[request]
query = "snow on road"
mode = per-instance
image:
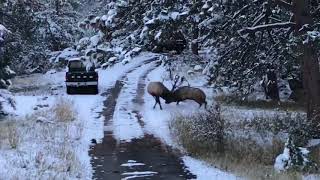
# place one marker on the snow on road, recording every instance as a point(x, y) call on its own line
point(108, 77)
point(125, 125)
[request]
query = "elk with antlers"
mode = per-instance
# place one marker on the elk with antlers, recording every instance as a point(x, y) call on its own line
point(157, 90)
point(188, 93)
point(183, 93)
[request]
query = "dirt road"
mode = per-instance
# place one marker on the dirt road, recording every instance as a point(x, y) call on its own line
point(143, 158)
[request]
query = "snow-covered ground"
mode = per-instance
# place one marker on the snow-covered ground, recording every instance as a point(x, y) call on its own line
point(44, 144)
point(204, 171)
point(157, 123)
point(238, 114)
point(44, 157)
point(52, 148)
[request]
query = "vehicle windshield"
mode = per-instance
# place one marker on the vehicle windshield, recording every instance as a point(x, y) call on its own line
point(76, 66)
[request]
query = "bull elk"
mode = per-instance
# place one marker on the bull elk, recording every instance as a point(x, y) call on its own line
point(188, 93)
point(157, 90)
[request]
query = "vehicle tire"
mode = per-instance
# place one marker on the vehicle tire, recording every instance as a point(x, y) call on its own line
point(95, 89)
point(69, 90)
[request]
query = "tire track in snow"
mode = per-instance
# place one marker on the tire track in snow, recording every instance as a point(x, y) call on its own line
point(109, 144)
point(146, 156)
point(112, 94)
point(125, 125)
point(174, 163)
point(138, 100)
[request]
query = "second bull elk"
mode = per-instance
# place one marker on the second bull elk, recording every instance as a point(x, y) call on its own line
point(157, 90)
point(188, 93)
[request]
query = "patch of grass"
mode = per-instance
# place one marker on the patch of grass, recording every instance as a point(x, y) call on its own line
point(49, 146)
point(234, 100)
point(247, 148)
point(13, 135)
point(9, 134)
point(315, 154)
point(64, 110)
point(199, 131)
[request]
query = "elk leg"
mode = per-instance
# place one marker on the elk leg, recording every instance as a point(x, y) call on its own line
point(155, 99)
point(158, 101)
point(178, 102)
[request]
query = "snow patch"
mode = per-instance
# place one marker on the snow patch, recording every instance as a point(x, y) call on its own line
point(204, 171)
point(126, 126)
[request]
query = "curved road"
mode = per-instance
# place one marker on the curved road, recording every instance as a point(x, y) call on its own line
point(144, 158)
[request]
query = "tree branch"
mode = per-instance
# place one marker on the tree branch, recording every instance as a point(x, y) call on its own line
point(316, 12)
point(250, 30)
point(235, 15)
point(258, 19)
point(284, 4)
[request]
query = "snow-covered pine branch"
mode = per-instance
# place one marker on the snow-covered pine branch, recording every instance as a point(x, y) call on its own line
point(238, 13)
point(3, 32)
point(316, 12)
point(284, 4)
point(250, 30)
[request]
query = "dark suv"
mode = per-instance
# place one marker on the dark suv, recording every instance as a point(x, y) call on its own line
point(78, 76)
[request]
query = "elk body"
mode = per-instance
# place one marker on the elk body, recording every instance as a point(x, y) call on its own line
point(157, 90)
point(188, 93)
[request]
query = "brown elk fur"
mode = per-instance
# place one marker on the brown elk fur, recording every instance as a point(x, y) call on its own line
point(190, 93)
point(157, 90)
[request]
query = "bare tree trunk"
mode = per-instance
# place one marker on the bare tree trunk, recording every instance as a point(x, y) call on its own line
point(195, 47)
point(57, 6)
point(195, 43)
point(311, 83)
point(311, 74)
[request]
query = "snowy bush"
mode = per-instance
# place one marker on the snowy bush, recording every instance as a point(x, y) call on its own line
point(256, 139)
point(294, 158)
point(3, 32)
point(64, 110)
point(200, 130)
point(294, 124)
point(13, 135)
point(7, 103)
point(5, 75)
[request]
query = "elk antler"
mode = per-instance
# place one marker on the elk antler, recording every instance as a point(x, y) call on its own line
point(175, 81)
point(179, 79)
